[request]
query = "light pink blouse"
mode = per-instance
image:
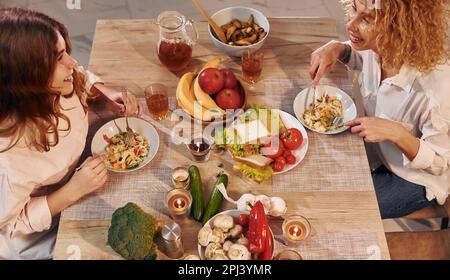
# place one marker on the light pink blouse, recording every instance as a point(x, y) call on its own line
point(26, 177)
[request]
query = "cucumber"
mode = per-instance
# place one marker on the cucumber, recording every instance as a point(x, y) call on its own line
point(198, 205)
point(215, 200)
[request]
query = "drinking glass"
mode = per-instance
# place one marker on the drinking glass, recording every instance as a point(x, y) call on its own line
point(157, 101)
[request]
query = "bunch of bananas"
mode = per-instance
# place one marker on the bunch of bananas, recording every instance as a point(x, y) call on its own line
point(193, 100)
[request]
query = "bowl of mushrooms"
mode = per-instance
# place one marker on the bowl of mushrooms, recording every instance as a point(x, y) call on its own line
point(245, 29)
point(222, 237)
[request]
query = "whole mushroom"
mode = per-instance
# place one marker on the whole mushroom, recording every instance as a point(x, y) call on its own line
point(242, 241)
point(226, 246)
point(224, 222)
point(211, 250)
point(236, 231)
point(206, 236)
point(220, 235)
point(239, 252)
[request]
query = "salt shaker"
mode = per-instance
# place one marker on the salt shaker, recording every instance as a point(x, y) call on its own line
point(171, 235)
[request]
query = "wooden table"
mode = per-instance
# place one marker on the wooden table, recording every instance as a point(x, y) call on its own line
point(124, 53)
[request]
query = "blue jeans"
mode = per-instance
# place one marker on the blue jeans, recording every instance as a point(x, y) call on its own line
point(396, 196)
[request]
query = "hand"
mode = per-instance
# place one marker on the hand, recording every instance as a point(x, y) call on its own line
point(323, 60)
point(90, 177)
point(129, 108)
point(375, 130)
point(115, 99)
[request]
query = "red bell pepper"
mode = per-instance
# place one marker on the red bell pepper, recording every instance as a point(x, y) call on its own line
point(257, 229)
point(268, 248)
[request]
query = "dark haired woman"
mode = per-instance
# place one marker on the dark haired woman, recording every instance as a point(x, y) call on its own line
point(43, 129)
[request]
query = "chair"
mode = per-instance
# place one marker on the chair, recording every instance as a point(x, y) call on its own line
point(424, 245)
point(435, 211)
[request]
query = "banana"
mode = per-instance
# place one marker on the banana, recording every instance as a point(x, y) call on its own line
point(186, 100)
point(202, 97)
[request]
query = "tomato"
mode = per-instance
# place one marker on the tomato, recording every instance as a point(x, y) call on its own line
point(292, 138)
point(287, 153)
point(243, 220)
point(290, 159)
point(273, 149)
point(279, 164)
point(107, 139)
point(281, 159)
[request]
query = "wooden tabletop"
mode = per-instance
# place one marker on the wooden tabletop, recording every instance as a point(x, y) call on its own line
point(124, 53)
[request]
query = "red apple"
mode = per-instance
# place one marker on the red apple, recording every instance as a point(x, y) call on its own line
point(230, 78)
point(211, 80)
point(228, 99)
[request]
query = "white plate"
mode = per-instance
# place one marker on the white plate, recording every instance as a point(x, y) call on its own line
point(233, 213)
point(140, 126)
point(291, 122)
point(303, 101)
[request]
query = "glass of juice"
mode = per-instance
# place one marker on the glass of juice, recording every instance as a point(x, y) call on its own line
point(252, 65)
point(157, 101)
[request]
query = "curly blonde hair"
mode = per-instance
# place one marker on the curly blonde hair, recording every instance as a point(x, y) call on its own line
point(412, 32)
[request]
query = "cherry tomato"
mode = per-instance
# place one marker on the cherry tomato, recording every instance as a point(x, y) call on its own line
point(279, 164)
point(273, 148)
point(107, 139)
point(281, 159)
point(292, 138)
point(243, 220)
point(287, 153)
point(290, 159)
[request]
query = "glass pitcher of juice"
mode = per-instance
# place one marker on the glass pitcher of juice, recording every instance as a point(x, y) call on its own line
point(175, 42)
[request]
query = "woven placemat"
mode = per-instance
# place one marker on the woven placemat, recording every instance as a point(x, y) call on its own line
point(333, 162)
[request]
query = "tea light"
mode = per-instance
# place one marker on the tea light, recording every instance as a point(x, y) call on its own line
point(178, 201)
point(296, 228)
point(180, 178)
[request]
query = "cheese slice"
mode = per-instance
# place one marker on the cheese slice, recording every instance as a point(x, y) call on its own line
point(250, 132)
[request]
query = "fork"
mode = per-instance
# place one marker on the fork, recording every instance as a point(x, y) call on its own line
point(130, 132)
point(337, 121)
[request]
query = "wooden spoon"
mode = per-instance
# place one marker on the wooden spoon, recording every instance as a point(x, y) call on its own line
point(219, 32)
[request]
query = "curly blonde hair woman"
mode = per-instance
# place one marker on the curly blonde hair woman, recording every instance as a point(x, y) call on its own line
point(400, 47)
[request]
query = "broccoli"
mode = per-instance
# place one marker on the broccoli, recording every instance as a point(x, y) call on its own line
point(132, 232)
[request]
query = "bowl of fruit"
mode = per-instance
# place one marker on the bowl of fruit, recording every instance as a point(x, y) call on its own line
point(216, 94)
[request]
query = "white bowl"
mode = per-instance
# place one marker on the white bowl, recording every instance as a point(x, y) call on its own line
point(233, 213)
point(140, 126)
point(226, 15)
point(303, 100)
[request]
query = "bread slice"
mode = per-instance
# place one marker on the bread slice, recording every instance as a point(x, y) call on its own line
point(256, 161)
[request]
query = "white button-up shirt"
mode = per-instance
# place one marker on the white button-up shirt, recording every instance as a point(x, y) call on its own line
point(421, 102)
point(26, 226)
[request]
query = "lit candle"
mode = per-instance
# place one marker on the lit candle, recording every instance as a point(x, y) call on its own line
point(296, 228)
point(178, 201)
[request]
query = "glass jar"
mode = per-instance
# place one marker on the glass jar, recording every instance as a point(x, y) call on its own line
point(175, 43)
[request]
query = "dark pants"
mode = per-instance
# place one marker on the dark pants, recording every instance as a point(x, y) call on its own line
point(396, 196)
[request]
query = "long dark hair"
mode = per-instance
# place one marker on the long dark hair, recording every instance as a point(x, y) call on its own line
point(29, 108)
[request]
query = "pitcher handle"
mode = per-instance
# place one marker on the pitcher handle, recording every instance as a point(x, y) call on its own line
point(191, 23)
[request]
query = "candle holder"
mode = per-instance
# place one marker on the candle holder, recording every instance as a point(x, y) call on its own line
point(179, 201)
point(180, 178)
point(295, 229)
point(200, 149)
point(288, 255)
